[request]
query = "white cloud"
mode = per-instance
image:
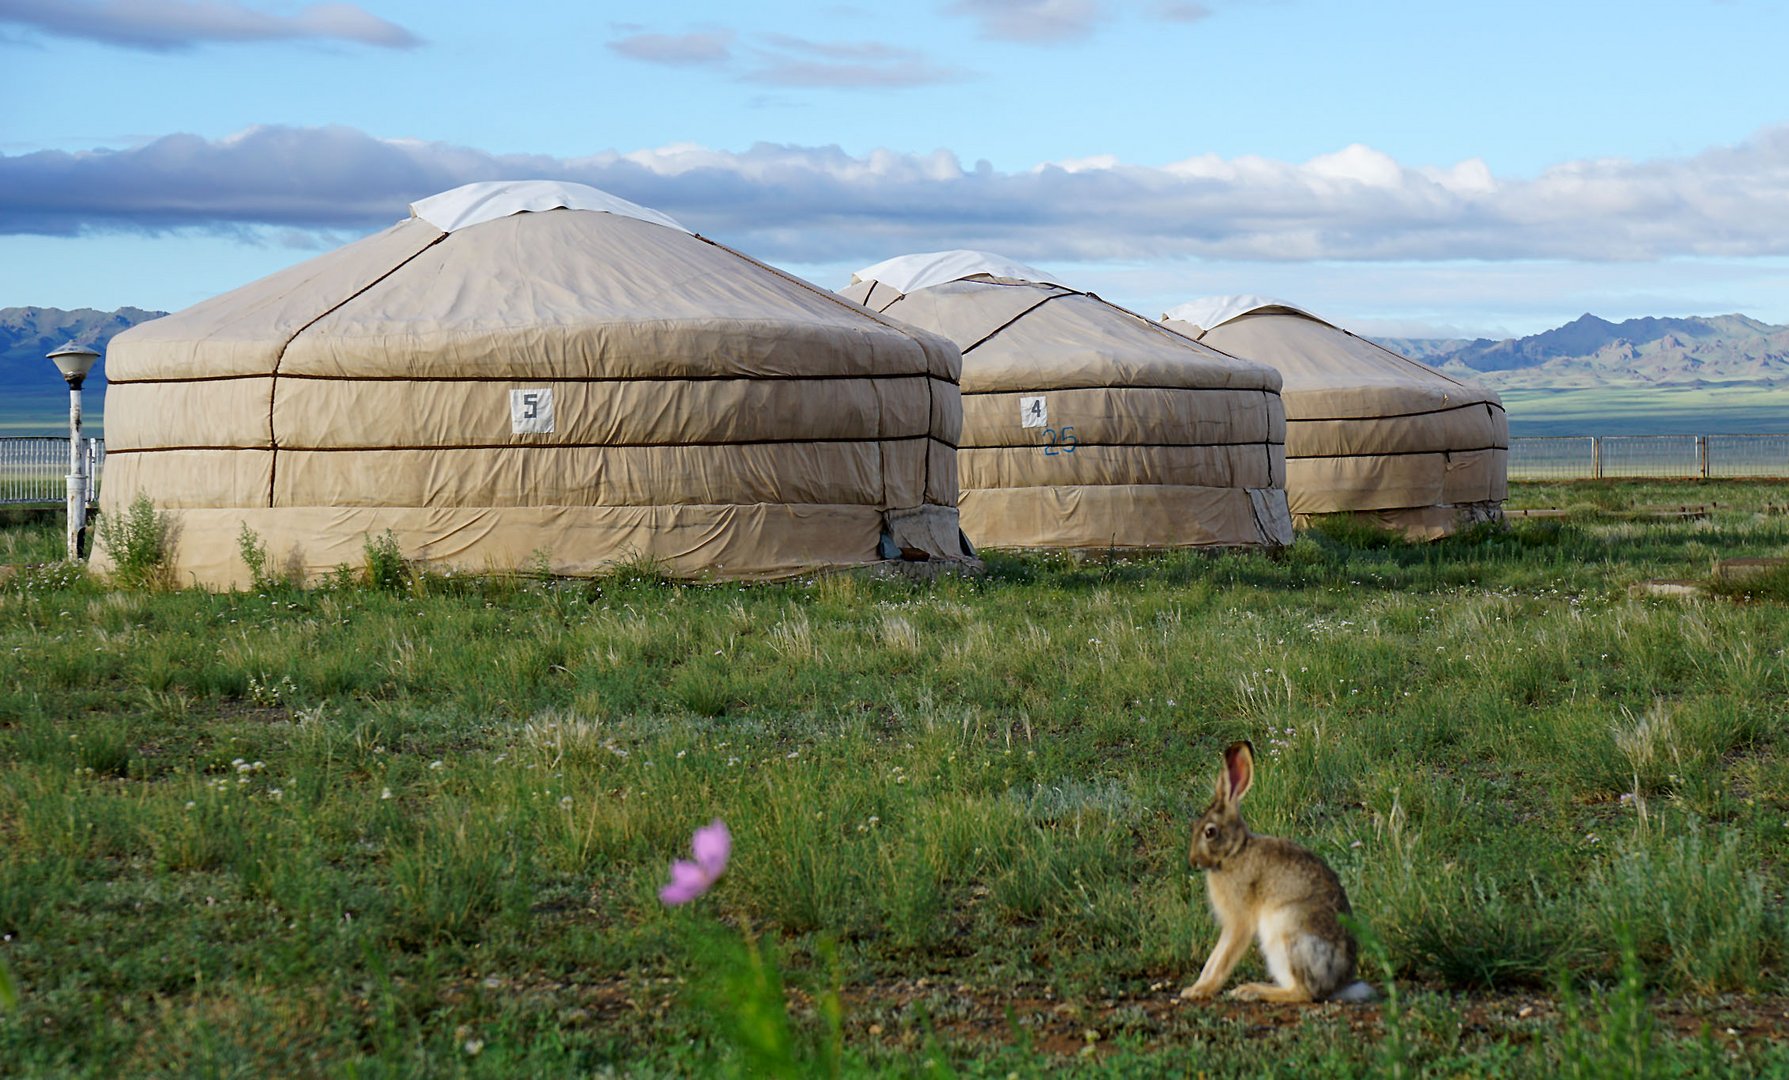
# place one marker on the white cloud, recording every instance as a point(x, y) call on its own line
point(678, 50)
point(1034, 22)
point(786, 60)
point(1182, 12)
point(816, 204)
point(164, 25)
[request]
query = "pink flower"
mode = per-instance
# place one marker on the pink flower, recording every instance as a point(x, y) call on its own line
point(711, 846)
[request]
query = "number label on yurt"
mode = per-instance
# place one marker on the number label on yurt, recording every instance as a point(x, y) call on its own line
point(531, 412)
point(1033, 412)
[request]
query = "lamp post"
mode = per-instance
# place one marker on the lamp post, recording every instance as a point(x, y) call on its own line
point(74, 361)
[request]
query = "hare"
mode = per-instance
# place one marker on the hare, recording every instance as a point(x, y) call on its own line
point(1276, 892)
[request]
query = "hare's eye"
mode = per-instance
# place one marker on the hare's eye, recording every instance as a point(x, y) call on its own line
point(1210, 831)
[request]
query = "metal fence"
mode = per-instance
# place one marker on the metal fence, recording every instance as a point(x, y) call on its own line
point(1661, 457)
point(34, 469)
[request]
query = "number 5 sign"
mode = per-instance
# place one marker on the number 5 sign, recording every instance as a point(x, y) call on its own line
point(531, 412)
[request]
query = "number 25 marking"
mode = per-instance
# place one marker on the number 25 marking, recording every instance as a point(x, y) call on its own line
point(1063, 437)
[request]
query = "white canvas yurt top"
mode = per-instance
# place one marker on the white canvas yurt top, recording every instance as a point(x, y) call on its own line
point(529, 369)
point(1086, 425)
point(1368, 431)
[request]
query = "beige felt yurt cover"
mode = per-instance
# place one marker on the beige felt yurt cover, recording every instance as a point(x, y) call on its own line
point(530, 370)
point(1368, 431)
point(1086, 425)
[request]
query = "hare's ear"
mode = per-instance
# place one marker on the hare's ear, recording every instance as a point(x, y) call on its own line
point(1239, 771)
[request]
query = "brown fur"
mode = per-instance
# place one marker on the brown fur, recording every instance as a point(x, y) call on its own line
point(1271, 890)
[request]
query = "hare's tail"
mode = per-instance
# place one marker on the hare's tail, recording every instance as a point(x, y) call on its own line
point(1356, 993)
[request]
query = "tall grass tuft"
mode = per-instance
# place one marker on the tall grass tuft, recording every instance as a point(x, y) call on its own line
point(384, 567)
point(1692, 908)
point(464, 868)
point(142, 544)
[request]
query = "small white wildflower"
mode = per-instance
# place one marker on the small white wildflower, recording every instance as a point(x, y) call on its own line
point(385, 793)
point(1355, 844)
point(190, 804)
point(473, 1047)
point(437, 765)
point(275, 794)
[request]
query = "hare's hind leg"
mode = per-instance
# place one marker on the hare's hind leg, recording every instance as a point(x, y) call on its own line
point(1271, 992)
point(1279, 949)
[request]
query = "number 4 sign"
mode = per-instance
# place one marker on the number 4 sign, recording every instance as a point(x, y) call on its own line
point(531, 412)
point(1033, 412)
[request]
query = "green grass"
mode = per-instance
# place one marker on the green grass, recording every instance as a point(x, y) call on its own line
point(1737, 409)
point(302, 832)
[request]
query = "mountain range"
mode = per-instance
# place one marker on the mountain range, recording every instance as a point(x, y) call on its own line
point(1592, 352)
point(29, 384)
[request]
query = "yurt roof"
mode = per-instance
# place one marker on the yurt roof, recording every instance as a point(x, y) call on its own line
point(1325, 366)
point(908, 273)
point(583, 281)
point(1207, 312)
point(475, 204)
point(1018, 329)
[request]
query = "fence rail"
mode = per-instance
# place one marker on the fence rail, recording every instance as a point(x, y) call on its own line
point(1657, 457)
point(34, 469)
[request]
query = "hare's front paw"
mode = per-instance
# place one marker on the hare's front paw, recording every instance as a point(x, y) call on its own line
point(1198, 992)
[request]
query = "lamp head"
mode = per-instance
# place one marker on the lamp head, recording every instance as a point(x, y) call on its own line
point(74, 361)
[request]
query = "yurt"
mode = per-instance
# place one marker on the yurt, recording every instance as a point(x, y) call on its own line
point(528, 371)
point(1368, 432)
point(1086, 425)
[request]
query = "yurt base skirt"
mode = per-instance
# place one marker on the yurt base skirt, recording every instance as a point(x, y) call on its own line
point(691, 542)
point(1417, 523)
point(1120, 516)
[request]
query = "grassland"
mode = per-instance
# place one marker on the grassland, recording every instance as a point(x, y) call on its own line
point(419, 830)
point(1636, 410)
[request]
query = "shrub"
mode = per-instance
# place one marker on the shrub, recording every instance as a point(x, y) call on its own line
point(262, 575)
point(386, 569)
point(141, 544)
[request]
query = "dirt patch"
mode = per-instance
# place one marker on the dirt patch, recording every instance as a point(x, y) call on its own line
point(908, 1012)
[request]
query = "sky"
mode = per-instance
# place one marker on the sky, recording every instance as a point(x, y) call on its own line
point(1457, 168)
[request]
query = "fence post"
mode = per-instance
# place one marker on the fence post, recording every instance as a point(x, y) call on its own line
point(1596, 457)
point(1702, 456)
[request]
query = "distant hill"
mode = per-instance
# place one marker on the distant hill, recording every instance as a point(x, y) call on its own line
point(1593, 352)
point(30, 391)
